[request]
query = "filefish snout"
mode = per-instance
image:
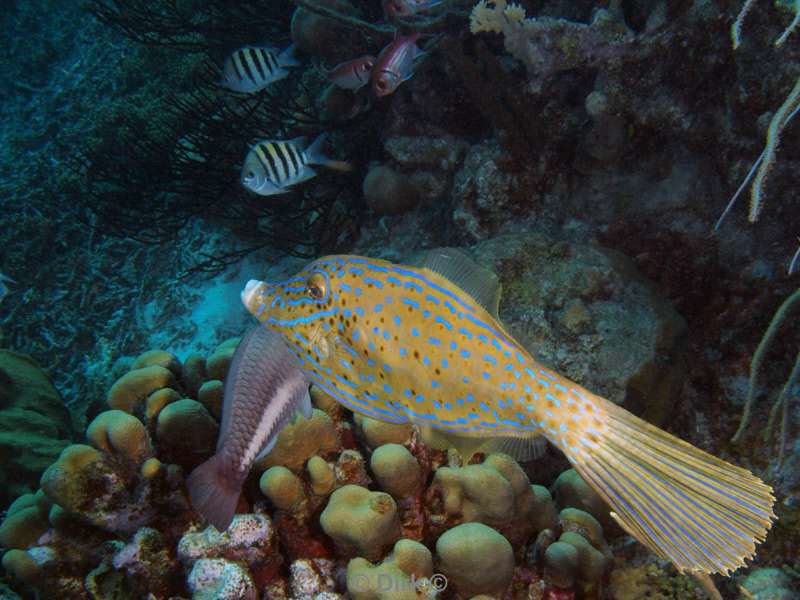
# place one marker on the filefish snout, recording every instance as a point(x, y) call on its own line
point(298, 308)
point(253, 293)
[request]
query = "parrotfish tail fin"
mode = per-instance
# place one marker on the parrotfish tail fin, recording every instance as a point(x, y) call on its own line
point(316, 156)
point(212, 492)
point(288, 59)
point(702, 513)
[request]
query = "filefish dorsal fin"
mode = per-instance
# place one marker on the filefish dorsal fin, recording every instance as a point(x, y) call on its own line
point(459, 268)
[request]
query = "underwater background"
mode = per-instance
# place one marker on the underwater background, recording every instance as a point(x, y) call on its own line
point(584, 151)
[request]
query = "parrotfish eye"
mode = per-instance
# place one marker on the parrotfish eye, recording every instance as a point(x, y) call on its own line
point(316, 286)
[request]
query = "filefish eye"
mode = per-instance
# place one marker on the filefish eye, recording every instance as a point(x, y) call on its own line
point(316, 286)
point(367, 66)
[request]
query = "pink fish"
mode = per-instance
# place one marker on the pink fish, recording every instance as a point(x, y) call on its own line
point(353, 74)
point(407, 8)
point(395, 64)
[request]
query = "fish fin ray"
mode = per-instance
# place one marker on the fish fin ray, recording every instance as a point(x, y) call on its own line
point(287, 58)
point(317, 156)
point(266, 449)
point(689, 507)
point(455, 265)
point(213, 494)
point(305, 405)
point(519, 448)
point(466, 445)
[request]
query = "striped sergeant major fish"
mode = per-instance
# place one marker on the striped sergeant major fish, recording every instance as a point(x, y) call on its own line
point(264, 389)
point(424, 345)
point(272, 166)
point(252, 68)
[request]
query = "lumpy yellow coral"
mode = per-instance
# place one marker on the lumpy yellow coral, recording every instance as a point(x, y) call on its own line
point(493, 15)
point(514, 12)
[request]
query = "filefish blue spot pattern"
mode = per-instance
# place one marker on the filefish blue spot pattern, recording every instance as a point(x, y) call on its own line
point(423, 344)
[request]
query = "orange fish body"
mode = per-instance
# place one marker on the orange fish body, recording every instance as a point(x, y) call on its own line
point(424, 345)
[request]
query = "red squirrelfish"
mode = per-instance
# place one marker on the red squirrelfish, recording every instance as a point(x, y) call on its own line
point(353, 74)
point(395, 64)
point(424, 345)
point(407, 8)
point(264, 389)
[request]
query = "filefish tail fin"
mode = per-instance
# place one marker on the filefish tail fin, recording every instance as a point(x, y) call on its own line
point(317, 156)
point(212, 492)
point(702, 513)
point(288, 59)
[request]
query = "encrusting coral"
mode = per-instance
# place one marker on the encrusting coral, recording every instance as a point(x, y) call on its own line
point(360, 522)
point(402, 575)
point(476, 559)
point(340, 505)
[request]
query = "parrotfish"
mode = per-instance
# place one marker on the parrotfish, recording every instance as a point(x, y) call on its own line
point(264, 389)
point(424, 345)
point(407, 8)
point(253, 68)
point(395, 64)
point(272, 166)
point(353, 74)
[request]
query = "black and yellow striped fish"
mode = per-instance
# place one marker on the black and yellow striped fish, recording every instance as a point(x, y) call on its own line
point(253, 68)
point(272, 166)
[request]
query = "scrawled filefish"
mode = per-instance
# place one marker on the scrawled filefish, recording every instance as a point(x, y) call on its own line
point(272, 166)
point(264, 388)
point(253, 68)
point(425, 345)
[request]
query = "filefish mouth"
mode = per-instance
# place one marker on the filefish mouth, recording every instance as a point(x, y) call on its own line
point(252, 294)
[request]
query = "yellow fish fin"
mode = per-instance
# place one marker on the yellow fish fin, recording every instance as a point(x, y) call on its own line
point(518, 448)
point(467, 446)
point(455, 265)
point(521, 449)
point(698, 511)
